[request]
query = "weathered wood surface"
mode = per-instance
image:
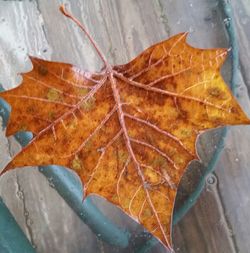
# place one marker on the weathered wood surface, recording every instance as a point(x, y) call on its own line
point(219, 222)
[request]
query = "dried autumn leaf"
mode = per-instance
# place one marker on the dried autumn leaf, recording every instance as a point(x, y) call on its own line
point(129, 131)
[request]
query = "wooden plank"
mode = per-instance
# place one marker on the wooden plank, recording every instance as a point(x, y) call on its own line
point(122, 29)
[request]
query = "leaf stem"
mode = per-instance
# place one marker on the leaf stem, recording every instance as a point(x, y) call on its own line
point(80, 25)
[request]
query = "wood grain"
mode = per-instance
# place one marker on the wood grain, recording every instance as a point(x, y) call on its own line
point(219, 222)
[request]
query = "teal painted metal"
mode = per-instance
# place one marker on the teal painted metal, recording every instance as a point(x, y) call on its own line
point(232, 37)
point(4, 109)
point(149, 245)
point(12, 238)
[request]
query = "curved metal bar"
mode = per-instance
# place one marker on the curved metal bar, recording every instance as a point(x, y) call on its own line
point(12, 238)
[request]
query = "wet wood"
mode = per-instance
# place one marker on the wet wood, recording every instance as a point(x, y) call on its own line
point(219, 222)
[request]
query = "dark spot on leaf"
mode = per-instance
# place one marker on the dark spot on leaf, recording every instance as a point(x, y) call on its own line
point(216, 92)
point(42, 70)
point(234, 110)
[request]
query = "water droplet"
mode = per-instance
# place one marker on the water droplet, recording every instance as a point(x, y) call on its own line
point(20, 194)
point(244, 20)
point(211, 179)
point(29, 222)
point(191, 29)
point(51, 184)
point(227, 22)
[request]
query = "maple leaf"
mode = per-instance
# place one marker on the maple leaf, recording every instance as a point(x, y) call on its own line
point(128, 131)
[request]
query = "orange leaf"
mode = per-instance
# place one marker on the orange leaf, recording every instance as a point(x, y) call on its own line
point(129, 131)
